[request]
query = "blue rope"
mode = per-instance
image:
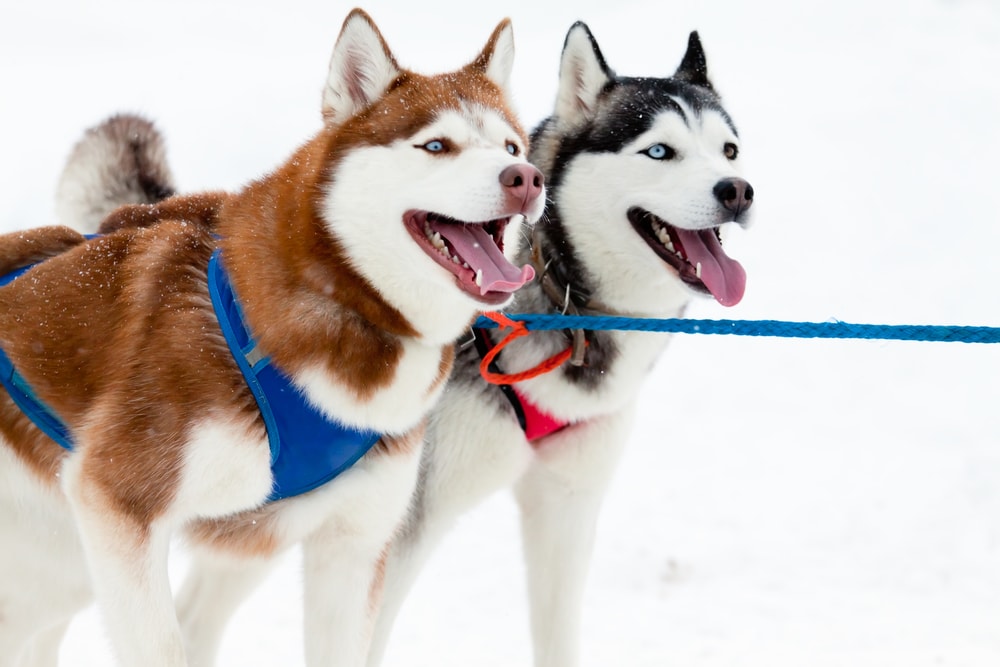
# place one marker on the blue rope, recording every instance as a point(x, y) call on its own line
point(774, 328)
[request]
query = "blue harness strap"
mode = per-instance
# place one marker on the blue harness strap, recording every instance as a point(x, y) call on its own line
point(20, 391)
point(307, 449)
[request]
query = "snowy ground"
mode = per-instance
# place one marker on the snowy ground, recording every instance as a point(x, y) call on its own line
point(782, 502)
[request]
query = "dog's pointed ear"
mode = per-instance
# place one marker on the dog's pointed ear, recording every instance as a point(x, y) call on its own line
point(361, 69)
point(693, 68)
point(583, 74)
point(496, 60)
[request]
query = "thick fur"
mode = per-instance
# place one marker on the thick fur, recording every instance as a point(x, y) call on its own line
point(117, 335)
point(121, 161)
point(595, 153)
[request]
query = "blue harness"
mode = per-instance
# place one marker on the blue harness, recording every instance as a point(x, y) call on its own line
point(307, 449)
point(22, 395)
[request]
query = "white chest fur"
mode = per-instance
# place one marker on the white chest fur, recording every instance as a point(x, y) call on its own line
point(393, 408)
point(637, 353)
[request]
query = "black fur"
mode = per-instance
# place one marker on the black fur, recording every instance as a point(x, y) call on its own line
point(625, 109)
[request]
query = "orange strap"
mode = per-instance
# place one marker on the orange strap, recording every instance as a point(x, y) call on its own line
point(518, 330)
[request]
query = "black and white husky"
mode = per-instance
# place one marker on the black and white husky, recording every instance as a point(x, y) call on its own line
point(643, 175)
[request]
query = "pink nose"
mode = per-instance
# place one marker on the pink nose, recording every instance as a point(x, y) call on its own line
point(522, 185)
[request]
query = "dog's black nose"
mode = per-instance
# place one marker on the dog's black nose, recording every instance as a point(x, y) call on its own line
point(735, 194)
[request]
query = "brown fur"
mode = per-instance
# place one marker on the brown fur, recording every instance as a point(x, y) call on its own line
point(30, 445)
point(248, 534)
point(202, 208)
point(126, 379)
point(20, 249)
point(117, 334)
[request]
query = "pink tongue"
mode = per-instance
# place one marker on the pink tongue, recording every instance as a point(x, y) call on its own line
point(476, 246)
point(724, 277)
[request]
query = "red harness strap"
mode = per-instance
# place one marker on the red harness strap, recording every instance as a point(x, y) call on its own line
point(518, 330)
point(535, 423)
point(538, 424)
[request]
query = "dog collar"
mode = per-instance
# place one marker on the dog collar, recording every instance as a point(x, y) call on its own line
point(307, 448)
point(565, 297)
point(535, 422)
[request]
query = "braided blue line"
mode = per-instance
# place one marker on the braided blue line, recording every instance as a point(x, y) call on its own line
point(774, 328)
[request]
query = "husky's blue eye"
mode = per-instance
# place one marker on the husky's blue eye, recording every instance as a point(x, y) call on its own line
point(512, 148)
point(434, 146)
point(660, 152)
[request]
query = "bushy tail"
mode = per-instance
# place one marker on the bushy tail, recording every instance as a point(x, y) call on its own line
point(120, 161)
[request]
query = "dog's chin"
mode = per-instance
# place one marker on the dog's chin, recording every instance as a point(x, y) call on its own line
point(676, 248)
point(472, 252)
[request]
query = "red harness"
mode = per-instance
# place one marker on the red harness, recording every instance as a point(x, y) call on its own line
point(535, 423)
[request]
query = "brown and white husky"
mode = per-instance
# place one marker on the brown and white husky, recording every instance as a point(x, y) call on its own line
point(356, 264)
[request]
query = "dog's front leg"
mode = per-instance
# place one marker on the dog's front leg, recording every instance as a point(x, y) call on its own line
point(559, 498)
point(340, 599)
point(43, 649)
point(211, 593)
point(127, 559)
point(344, 560)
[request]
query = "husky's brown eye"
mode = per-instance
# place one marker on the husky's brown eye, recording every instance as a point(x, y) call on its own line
point(731, 151)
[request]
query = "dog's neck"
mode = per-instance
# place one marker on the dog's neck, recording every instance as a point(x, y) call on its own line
point(302, 298)
point(562, 286)
point(288, 252)
point(554, 279)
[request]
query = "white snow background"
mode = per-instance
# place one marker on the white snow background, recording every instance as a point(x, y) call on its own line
point(782, 502)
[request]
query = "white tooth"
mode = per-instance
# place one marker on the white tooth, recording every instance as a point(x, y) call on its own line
point(455, 259)
point(466, 265)
point(670, 246)
point(479, 278)
point(697, 270)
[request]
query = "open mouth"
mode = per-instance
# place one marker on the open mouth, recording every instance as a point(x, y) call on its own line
point(472, 251)
point(696, 255)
